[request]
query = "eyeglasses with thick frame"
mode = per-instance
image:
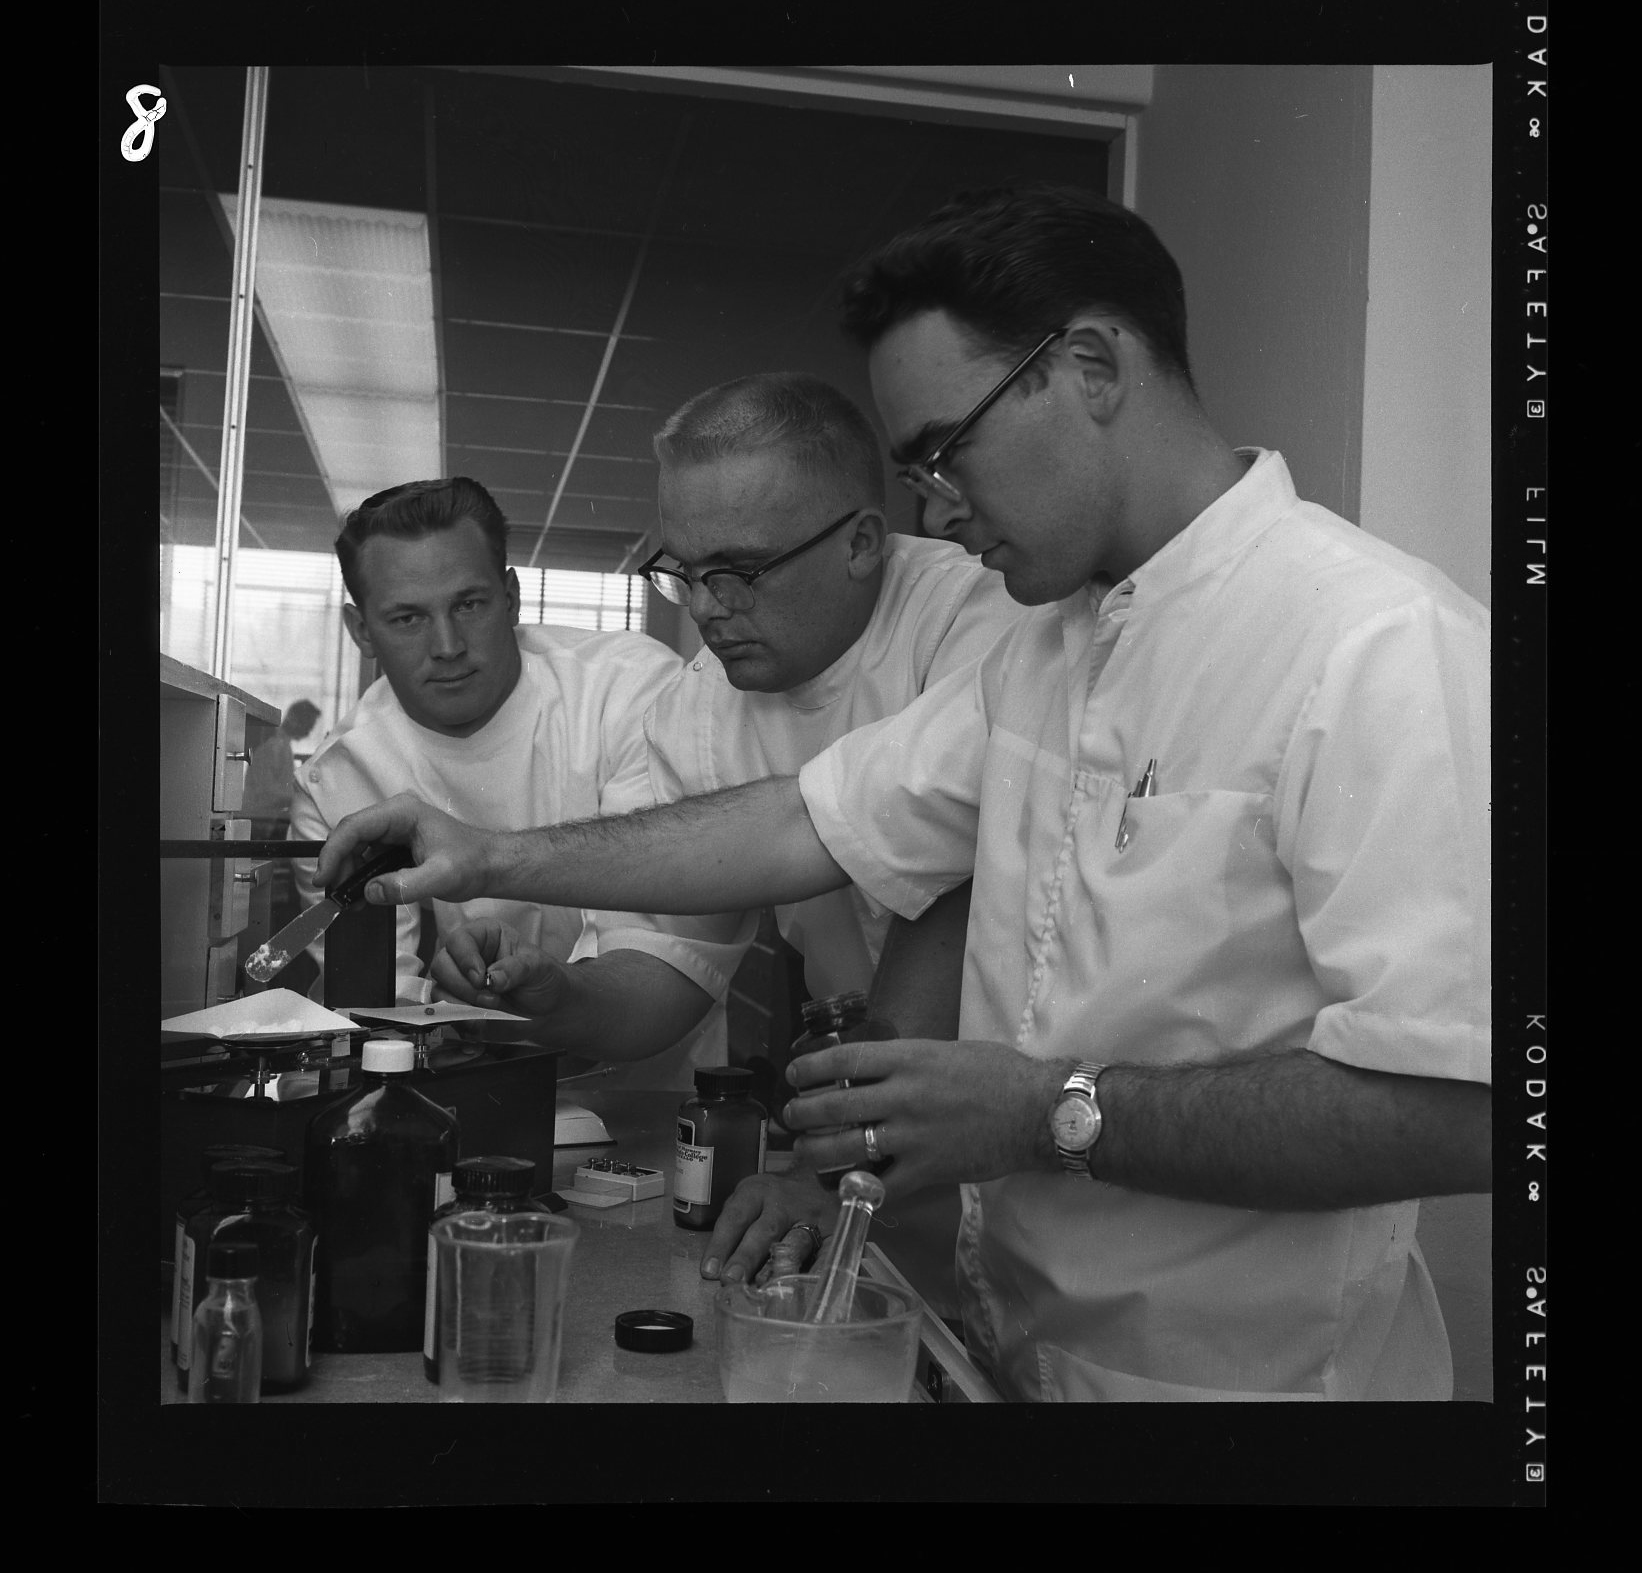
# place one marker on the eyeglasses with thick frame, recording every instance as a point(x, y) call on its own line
point(732, 588)
point(924, 477)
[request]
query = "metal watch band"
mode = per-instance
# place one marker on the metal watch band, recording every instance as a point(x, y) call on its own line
point(1082, 1080)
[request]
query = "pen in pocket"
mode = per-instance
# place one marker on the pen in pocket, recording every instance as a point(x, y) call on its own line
point(1144, 787)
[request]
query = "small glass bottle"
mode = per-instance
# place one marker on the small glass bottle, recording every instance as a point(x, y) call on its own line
point(492, 1185)
point(230, 1194)
point(840, 1018)
point(226, 1363)
point(257, 1202)
point(377, 1166)
point(183, 1294)
point(722, 1133)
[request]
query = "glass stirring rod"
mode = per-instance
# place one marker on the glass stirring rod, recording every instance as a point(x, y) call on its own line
point(861, 1194)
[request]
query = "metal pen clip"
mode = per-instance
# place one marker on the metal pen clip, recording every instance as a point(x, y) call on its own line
point(1144, 787)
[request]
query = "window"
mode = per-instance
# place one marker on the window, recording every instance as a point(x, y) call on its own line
point(581, 600)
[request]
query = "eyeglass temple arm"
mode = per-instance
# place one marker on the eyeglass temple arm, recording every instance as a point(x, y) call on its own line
point(987, 403)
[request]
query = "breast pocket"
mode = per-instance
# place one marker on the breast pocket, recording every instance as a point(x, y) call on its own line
point(1195, 919)
point(1198, 838)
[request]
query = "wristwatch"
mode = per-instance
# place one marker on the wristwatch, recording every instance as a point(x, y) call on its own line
point(1074, 1119)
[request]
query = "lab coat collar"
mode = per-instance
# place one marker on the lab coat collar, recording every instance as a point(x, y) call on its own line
point(1228, 526)
point(1225, 528)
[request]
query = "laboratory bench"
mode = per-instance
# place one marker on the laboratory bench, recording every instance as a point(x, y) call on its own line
point(630, 1256)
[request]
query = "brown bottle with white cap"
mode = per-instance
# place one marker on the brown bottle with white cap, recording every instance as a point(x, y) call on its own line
point(377, 1167)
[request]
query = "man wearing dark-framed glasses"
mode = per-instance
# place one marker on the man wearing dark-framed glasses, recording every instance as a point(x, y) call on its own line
point(732, 588)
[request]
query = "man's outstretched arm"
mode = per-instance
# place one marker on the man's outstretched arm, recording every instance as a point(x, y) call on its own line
point(750, 846)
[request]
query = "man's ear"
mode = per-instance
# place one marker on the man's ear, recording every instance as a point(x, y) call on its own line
point(512, 582)
point(354, 621)
point(866, 543)
point(1102, 354)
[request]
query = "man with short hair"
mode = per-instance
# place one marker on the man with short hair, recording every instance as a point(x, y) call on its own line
point(1223, 795)
point(502, 725)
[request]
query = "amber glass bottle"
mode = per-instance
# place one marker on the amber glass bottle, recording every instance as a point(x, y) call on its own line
point(377, 1166)
point(721, 1140)
point(840, 1018)
point(183, 1265)
point(260, 1203)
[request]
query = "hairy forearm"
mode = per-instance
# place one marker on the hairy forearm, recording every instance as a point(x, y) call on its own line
point(1291, 1131)
point(625, 1005)
point(920, 974)
point(749, 846)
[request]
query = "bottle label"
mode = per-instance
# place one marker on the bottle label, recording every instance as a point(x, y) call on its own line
point(430, 1303)
point(444, 1189)
point(185, 1304)
point(692, 1170)
point(225, 1355)
point(177, 1239)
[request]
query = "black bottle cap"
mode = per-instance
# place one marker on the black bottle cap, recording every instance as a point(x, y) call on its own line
point(233, 1259)
point(654, 1332)
point(493, 1176)
point(724, 1080)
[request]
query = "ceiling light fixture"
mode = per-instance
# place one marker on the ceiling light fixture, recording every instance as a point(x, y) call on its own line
point(347, 296)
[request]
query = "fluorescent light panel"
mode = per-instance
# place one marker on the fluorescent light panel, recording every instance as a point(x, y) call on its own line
point(347, 293)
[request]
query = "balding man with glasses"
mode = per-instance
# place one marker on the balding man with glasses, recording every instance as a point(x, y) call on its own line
point(815, 619)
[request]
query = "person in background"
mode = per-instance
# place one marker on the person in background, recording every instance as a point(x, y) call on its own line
point(1223, 795)
point(269, 778)
point(506, 726)
point(815, 620)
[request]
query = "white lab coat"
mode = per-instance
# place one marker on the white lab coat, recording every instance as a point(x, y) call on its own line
point(1312, 871)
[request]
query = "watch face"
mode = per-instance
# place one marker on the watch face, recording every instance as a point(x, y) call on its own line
point(1073, 1123)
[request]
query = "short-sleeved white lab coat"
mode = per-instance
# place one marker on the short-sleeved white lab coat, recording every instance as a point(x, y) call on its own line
point(572, 725)
point(1311, 871)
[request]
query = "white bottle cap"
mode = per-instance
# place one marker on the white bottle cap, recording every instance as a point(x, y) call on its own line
point(388, 1054)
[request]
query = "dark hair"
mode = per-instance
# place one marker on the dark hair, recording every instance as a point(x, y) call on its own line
point(821, 429)
point(1014, 263)
point(418, 508)
point(299, 718)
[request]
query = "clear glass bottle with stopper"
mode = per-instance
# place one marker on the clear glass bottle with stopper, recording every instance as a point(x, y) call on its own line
point(227, 1339)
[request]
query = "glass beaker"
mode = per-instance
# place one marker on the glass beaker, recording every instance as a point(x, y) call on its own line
point(503, 1279)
